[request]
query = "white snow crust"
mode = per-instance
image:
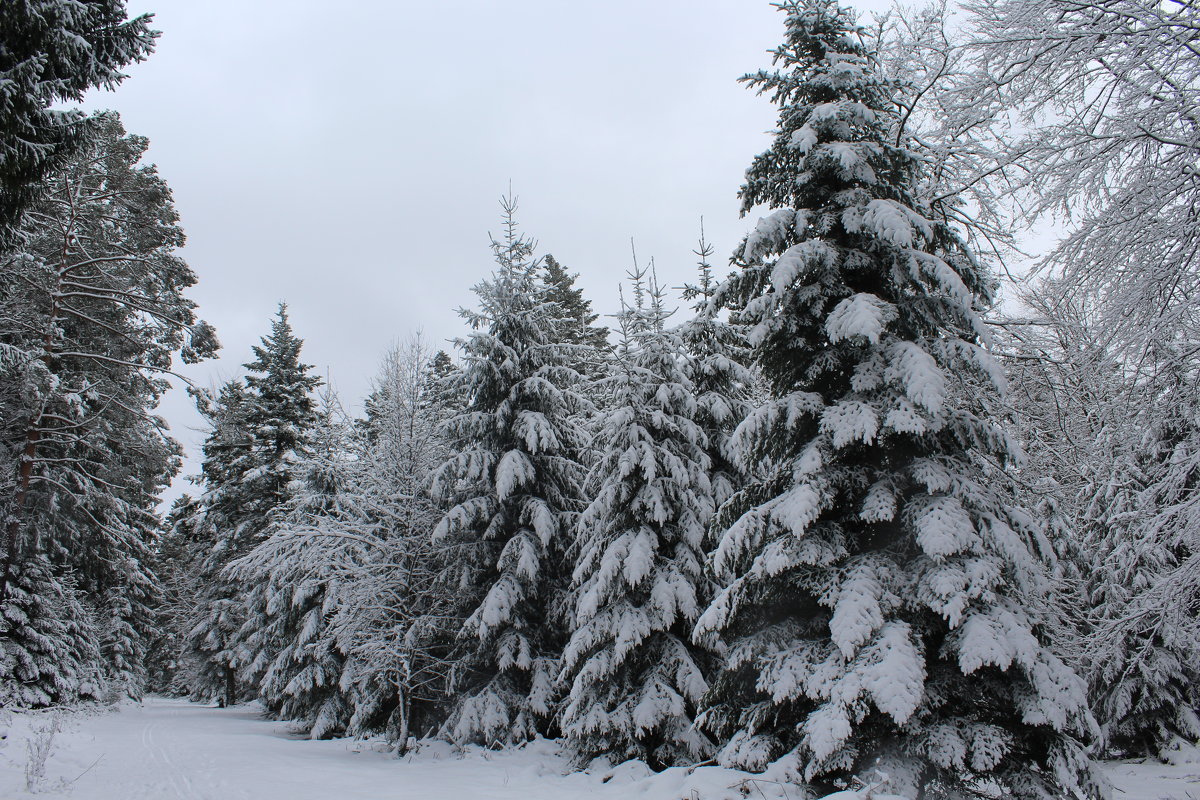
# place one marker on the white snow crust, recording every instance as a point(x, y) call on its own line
point(164, 749)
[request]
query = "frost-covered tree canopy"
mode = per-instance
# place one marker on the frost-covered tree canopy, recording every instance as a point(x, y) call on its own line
point(92, 315)
point(54, 51)
point(723, 383)
point(261, 435)
point(882, 590)
point(512, 487)
point(636, 679)
point(1114, 454)
point(1110, 137)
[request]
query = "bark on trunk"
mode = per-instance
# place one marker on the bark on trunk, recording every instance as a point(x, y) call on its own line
point(402, 733)
point(12, 532)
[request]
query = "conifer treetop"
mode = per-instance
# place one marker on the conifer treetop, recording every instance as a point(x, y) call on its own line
point(636, 680)
point(281, 387)
point(512, 489)
point(883, 589)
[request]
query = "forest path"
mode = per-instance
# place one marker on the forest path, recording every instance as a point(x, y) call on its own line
point(169, 749)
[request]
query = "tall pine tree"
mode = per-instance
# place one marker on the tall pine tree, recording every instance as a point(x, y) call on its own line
point(717, 367)
point(176, 558)
point(881, 586)
point(579, 321)
point(289, 593)
point(636, 677)
point(92, 316)
point(513, 492)
point(212, 617)
point(261, 435)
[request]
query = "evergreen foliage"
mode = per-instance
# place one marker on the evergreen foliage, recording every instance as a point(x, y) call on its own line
point(579, 326)
point(92, 314)
point(176, 564)
point(512, 489)
point(880, 582)
point(722, 382)
point(51, 654)
point(441, 380)
point(211, 618)
point(280, 417)
point(284, 651)
point(52, 51)
point(347, 627)
point(262, 433)
point(636, 678)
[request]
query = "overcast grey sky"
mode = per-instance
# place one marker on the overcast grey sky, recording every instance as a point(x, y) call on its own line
point(347, 158)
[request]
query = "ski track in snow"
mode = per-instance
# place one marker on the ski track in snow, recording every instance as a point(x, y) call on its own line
point(172, 749)
point(168, 749)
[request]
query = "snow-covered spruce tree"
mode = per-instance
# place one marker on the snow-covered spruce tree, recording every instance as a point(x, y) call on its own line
point(280, 417)
point(721, 381)
point(271, 423)
point(636, 679)
point(579, 321)
point(92, 314)
point(512, 487)
point(344, 615)
point(282, 646)
point(441, 381)
point(213, 616)
point(55, 51)
point(441, 369)
point(578, 327)
point(879, 580)
point(51, 643)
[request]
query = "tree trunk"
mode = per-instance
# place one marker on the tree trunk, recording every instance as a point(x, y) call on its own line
point(33, 435)
point(12, 531)
point(404, 724)
point(230, 687)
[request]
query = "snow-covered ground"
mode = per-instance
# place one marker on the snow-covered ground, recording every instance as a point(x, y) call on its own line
point(165, 749)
